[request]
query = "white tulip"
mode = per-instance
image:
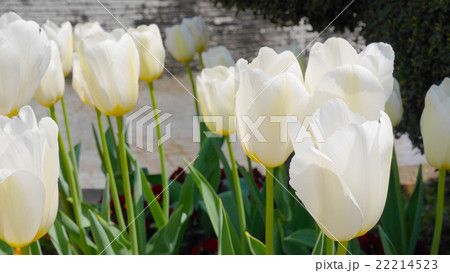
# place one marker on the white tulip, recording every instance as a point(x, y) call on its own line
point(64, 38)
point(394, 105)
point(268, 90)
point(343, 180)
point(151, 51)
point(29, 170)
point(297, 51)
point(110, 69)
point(435, 125)
point(79, 82)
point(199, 32)
point(217, 56)
point(85, 30)
point(180, 43)
point(24, 57)
point(51, 88)
point(364, 81)
point(216, 91)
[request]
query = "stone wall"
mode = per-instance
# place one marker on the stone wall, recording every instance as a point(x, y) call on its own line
point(241, 33)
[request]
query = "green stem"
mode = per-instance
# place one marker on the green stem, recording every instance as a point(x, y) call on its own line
point(127, 186)
point(73, 157)
point(439, 213)
point(109, 170)
point(194, 89)
point(200, 58)
point(240, 202)
point(330, 246)
point(76, 202)
point(342, 248)
point(398, 190)
point(269, 211)
point(162, 157)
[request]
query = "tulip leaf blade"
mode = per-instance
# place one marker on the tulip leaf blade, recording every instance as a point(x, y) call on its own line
point(119, 242)
point(73, 231)
point(5, 249)
point(100, 237)
point(320, 247)
point(225, 242)
point(105, 210)
point(155, 208)
point(414, 212)
point(254, 191)
point(256, 246)
point(214, 208)
point(388, 246)
point(392, 219)
point(165, 240)
point(306, 237)
point(35, 248)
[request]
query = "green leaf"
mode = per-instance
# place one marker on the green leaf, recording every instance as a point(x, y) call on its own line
point(214, 207)
point(255, 194)
point(306, 237)
point(207, 163)
point(225, 242)
point(320, 248)
point(281, 195)
point(5, 249)
point(35, 248)
point(100, 237)
point(414, 213)
point(138, 200)
point(119, 242)
point(388, 247)
point(74, 232)
point(164, 241)
point(155, 208)
point(105, 211)
point(255, 245)
point(59, 238)
point(392, 216)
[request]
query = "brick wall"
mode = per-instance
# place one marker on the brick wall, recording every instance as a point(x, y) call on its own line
point(241, 33)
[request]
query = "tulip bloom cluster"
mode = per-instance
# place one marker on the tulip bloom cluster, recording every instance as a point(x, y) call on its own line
point(340, 170)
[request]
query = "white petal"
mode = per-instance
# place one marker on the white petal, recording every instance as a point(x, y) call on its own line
point(379, 59)
point(357, 86)
point(22, 197)
point(316, 182)
point(9, 76)
point(324, 57)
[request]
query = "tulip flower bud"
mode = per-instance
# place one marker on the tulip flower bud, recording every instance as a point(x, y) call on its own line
point(199, 32)
point(180, 43)
point(151, 51)
point(64, 39)
point(24, 57)
point(268, 90)
point(51, 88)
point(394, 105)
point(215, 87)
point(110, 69)
point(217, 56)
point(435, 125)
point(364, 81)
point(341, 174)
point(29, 171)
